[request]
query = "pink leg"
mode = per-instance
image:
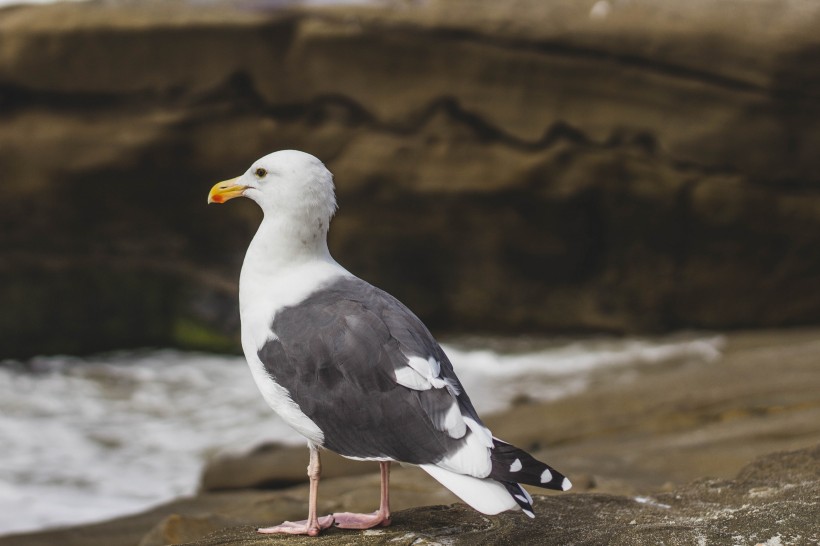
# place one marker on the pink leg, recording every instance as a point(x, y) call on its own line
point(381, 517)
point(313, 525)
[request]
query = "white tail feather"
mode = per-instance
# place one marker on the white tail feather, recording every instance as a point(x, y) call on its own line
point(484, 494)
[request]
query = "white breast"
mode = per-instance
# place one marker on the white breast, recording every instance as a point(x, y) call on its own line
point(262, 294)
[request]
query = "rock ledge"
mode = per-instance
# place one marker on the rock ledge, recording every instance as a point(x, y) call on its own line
point(774, 498)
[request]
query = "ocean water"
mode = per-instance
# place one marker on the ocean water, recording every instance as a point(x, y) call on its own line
point(93, 438)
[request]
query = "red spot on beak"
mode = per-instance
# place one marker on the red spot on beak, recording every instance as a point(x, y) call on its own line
point(217, 199)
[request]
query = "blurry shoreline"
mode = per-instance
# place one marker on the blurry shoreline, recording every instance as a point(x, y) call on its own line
point(633, 430)
point(136, 425)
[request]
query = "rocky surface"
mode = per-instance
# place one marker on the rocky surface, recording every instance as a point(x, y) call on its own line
point(654, 455)
point(517, 166)
point(773, 500)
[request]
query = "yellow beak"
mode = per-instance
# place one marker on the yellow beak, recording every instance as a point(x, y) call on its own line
point(225, 191)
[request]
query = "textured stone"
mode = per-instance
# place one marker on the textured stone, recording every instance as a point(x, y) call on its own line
point(176, 529)
point(775, 497)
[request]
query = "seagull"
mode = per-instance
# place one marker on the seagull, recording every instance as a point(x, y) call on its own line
point(350, 367)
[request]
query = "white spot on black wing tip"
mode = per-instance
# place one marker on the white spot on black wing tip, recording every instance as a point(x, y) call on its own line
point(566, 485)
point(516, 465)
point(522, 499)
point(528, 512)
point(546, 476)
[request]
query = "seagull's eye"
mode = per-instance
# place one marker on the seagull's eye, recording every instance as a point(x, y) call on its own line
point(260, 172)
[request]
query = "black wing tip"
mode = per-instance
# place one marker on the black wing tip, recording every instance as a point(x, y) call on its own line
point(514, 465)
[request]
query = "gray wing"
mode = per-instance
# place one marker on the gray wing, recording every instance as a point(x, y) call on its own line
point(367, 371)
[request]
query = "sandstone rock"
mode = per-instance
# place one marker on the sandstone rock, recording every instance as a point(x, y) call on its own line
point(504, 167)
point(771, 499)
point(176, 529)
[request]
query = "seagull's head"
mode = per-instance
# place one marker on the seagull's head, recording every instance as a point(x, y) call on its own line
point(287, 183)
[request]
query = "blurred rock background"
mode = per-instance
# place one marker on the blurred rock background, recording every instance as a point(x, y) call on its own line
point(617, 166)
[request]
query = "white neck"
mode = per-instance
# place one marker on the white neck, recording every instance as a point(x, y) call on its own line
point(285, 262)
point(280, 244)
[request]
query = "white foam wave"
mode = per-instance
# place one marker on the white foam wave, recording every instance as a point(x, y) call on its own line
point(85, 440)
point(493, 379)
